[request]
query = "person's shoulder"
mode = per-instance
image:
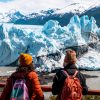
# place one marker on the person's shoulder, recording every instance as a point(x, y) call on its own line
point(81, 74)
point(32, 74)
point(13, 74)
point(60, 71)
point(60, 74)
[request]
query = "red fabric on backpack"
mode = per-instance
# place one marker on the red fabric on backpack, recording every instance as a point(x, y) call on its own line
point(72, 89)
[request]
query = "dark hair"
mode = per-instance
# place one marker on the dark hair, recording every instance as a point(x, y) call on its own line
point(27, 68)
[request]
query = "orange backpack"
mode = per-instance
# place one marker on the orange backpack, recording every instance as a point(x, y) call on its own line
point(72, 89)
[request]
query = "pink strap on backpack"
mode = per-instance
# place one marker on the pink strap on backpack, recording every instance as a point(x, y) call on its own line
point(70, 75)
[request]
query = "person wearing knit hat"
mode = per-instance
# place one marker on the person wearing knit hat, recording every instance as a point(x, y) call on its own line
point(25, 70)
point(70, 57)
point(25, 59)
point(69, 67)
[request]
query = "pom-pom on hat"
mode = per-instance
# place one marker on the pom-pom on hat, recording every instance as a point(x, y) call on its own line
point(70, 57)
point(25, 59)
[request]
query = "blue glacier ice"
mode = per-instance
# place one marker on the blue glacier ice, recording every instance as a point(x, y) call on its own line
point(42, 42)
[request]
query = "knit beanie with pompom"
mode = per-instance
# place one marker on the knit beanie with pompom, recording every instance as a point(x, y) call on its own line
point(25, 59)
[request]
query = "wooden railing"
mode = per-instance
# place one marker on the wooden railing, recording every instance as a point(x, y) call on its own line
point(46, 88)
point(90, 92)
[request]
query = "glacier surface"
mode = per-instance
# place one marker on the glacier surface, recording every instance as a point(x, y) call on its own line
point(47, 43)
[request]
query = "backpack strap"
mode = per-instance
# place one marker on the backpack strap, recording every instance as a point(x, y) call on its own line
point(75, 73)
point(65, 72)
point(14, 79)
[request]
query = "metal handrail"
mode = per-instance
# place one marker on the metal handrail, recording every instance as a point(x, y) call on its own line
point(47, 88)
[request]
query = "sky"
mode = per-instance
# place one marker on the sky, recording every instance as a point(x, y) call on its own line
point(29, 6)
point(6, 0)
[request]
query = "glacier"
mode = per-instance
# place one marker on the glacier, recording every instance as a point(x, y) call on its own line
point(47, 43)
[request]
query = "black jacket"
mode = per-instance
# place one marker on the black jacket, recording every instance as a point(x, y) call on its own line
point(60, 77)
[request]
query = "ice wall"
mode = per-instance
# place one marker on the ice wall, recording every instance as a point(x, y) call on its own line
point(41, 41)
